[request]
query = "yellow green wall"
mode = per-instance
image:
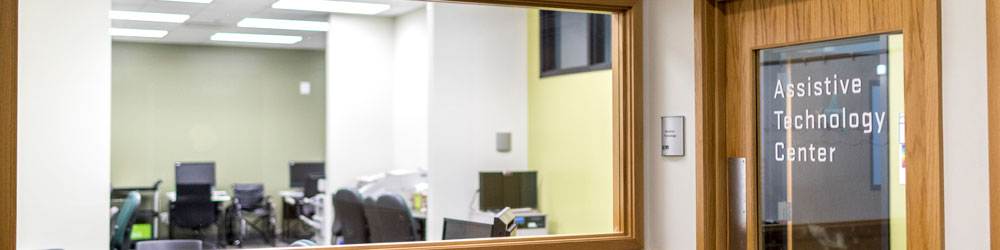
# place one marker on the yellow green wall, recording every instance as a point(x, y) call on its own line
point(897, 191)
point(569, 144)
point(239, 107)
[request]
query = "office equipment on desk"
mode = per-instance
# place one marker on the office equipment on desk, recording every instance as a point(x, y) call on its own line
point(299, 172)
point(530, 222)
point(143, 216)
point(195, 173)
point(169, 245)
point(498, 190)
point(193, 209)
point(390, 219)
point(122, 230)
point(349, 216)
point(461, 229)
point(253, 210)
point(503, 224)
point(404, 182)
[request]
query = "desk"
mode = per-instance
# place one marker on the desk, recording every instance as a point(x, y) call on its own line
point(421, 218)
point(217, 196)
point(291, 202)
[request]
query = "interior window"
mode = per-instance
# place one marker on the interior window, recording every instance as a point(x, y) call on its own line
point(575, 42)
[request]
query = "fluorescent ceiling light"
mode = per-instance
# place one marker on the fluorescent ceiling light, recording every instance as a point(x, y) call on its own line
point(148, 16)
point(138, 32)
point(282, 24)
point(190, 1)
point(255, 38)
point(332, 6)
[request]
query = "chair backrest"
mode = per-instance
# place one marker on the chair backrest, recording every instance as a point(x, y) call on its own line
point(350, 215)
point(249, 196)
point(371, 216)
point(193, 207)
point(121, 238)
point(168, 245)
point(395, 219)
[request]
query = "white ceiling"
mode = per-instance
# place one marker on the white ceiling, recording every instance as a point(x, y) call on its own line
point(222, 16)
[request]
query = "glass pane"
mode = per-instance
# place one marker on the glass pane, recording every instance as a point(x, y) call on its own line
point(573, 35)
point(831, 122)
point(435, 112)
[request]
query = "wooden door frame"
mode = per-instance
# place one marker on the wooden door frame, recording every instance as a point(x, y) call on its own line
point(628, 134)
point(993, 90)
point(920, 22)
point(8, 123)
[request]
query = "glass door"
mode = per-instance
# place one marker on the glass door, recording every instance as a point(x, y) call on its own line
point(831, 148)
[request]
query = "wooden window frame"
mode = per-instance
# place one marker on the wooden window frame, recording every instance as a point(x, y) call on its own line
point(8, 123)
point(993, 90)
point(723, 29)
point(626, 58)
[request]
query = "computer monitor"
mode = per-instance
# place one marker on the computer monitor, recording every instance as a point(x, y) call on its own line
point(312, 185)
point(503, 224)
point(299, 172)
point(460, 229)
point(195, 173)
point(498, 190)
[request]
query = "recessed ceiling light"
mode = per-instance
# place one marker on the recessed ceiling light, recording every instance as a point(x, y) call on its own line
point(148, 16)
point(332, 6)
point(138, 32)
point(190, 1)
point(255, 38)
point(283, 24)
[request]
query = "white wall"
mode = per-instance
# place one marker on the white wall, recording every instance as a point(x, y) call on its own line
point(966, 166)
point(668, 44)
point(64, 124)
point(478, 87)
point(358, 109)
point(410, 90)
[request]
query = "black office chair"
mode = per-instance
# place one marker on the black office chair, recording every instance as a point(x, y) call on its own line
point(349, 216)
point(371, 216)
point(394, 222)
point(250, 209)
point(193, 208)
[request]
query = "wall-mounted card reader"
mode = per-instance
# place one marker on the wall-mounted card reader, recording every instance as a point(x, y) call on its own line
point(672, 133)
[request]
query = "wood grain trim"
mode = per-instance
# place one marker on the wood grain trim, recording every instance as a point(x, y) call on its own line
point(924, 135)
point(8, 123)
point(993, 82)
point(711, 199)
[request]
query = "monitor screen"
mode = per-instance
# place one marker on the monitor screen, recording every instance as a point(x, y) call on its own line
point(491, 191)
point(460, 229)
point(195, 173)
point(299, 172)
point(512, 189)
